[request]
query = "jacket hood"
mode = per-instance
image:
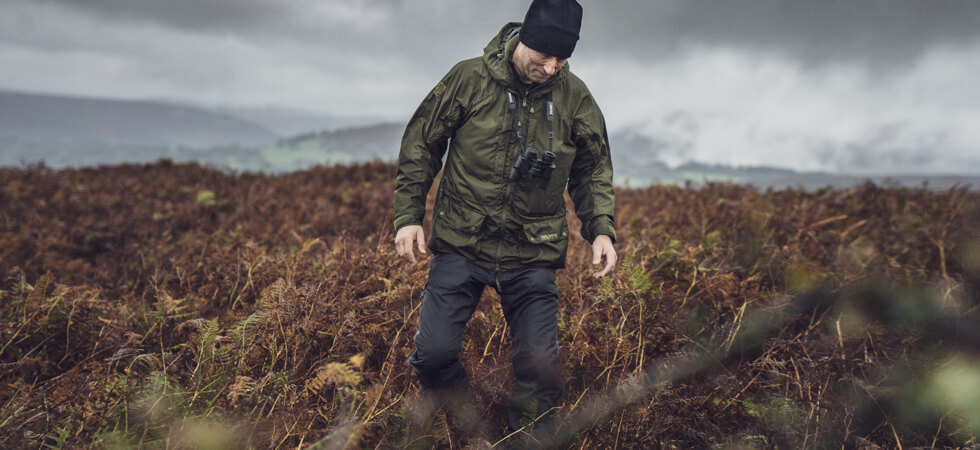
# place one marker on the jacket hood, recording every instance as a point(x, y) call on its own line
point(497, 53)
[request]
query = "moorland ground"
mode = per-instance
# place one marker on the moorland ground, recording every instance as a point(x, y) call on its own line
point(175, 305)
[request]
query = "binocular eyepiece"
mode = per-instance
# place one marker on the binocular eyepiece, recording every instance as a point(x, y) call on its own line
point(529, 164)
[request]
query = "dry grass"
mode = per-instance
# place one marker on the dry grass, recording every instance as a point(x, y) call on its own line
point(178, 306)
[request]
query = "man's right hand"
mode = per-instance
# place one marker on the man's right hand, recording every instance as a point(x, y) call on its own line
point(405, 242)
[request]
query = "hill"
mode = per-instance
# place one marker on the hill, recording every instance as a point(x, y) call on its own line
point(291, 122)
point(72, 132)
point(65, 120)
point(636, 162)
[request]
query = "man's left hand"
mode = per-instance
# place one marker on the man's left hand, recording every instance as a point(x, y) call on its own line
point(602, 245)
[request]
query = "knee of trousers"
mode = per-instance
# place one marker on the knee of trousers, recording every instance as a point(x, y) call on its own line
point(537, 364)
point(433, 356)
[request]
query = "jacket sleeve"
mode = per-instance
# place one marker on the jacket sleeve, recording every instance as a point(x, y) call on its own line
point(590, 181)
point(423, 146)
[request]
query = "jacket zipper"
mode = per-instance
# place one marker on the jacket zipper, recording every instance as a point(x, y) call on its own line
point(506, 202)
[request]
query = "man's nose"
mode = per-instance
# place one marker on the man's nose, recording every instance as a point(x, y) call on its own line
point(551, 66)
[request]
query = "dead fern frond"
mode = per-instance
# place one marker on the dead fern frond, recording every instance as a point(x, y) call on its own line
point(169, 306)
point(315, 384)
point(274, 294)
point(357, 361)
point(341, 374)
point(40, 289)
point(243, 386)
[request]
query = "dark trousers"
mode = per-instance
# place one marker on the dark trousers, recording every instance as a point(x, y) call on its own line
point(529, 299)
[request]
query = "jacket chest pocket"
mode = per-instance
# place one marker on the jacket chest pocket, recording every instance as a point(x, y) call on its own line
point(531, 200)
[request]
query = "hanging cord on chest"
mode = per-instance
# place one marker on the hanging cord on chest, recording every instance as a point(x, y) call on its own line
point(527, 162)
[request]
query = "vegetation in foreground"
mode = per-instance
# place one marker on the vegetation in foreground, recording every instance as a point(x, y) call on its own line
point(173, 305)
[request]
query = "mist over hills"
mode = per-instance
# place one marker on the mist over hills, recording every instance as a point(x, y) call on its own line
point(292, 122)
point(636, 162)
point(66, 131)
point(46, 118)
point(362, 143)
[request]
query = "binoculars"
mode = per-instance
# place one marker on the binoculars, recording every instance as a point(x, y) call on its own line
point(528, 164)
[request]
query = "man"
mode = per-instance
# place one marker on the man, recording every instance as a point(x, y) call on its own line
point(499, 220)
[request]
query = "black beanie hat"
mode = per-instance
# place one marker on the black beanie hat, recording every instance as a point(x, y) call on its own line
point(551, 26)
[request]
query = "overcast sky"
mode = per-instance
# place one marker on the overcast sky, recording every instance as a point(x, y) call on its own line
point(865, 86)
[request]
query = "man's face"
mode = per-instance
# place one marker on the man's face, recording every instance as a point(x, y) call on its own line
point(534, 66)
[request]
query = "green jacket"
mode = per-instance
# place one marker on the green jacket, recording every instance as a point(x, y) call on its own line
point(478, 213)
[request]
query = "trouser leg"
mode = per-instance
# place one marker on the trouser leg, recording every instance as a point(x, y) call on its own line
point(529, 299)
point(450, 297)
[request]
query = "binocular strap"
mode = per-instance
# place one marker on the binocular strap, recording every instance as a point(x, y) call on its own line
point(550, 111)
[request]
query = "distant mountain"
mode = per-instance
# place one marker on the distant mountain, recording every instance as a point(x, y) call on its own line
point(636, 161)
point(291, 122)
point(364, 143)
point(51, 119)
point(66, 131)
point(383, 141)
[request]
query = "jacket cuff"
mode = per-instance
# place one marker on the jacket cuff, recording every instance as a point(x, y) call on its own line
point(602, 225)
point(405, 219)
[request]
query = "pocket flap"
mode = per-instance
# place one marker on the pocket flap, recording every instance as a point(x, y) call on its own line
point(547, 230)
point(461, 218)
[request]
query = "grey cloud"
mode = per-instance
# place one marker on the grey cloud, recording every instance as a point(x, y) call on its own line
point(892, 147)
point(824, 31)
point(209, 15)
point(811, 32)
point(369, 24)
point(349, 38)
point(380, 56)
point(682, 120)
point(418, 40)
